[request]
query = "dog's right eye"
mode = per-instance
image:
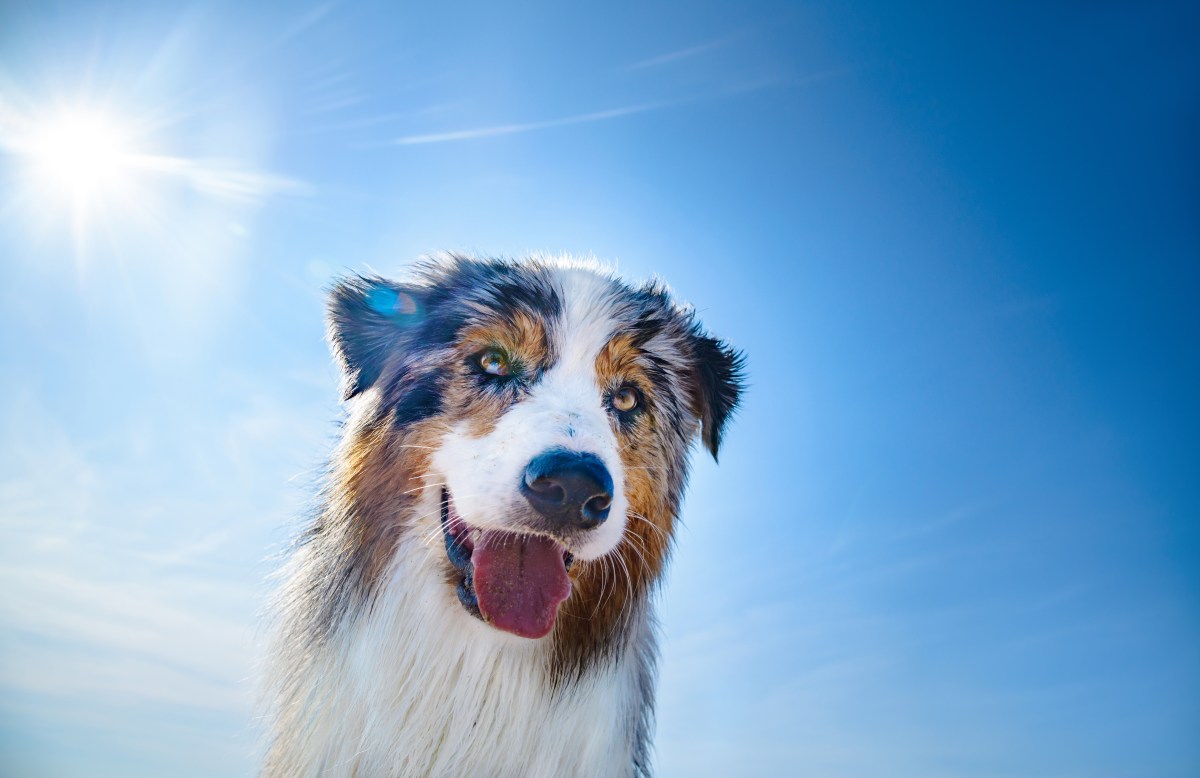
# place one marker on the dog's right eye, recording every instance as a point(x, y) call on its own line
point(495, 362)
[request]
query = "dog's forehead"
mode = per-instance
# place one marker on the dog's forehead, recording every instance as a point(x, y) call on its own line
point(590, 314)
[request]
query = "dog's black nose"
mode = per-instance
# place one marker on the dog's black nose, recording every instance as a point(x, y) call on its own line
point(570, 488)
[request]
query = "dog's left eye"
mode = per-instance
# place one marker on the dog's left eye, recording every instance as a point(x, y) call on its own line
point(625, 399)
point(494, 362)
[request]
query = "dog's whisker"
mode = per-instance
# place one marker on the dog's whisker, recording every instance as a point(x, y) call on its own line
point(650, 524)
point(638, 546)
point(421, 488)
point(606, 579)
point(628, 575)
point(435, 533)
point(597, 564)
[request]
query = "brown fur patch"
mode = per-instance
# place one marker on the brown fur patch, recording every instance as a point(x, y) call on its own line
point(524, 339)
point(605, 590)
point(381, 476)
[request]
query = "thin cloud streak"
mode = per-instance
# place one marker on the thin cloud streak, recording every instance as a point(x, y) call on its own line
point(512, 129)
point(675, 56)
point(612, 113)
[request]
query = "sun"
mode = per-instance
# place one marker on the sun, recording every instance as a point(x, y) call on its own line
point(85, 165)
point(81, 155)
point(104, 178)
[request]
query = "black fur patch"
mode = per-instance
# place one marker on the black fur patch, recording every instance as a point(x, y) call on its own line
point(376, 325)
point(718, 370)
point(370, 318)
point(717, 384)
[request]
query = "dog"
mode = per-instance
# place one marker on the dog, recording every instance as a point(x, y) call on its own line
point(473, 594)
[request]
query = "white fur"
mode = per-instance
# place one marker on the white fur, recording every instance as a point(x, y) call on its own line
point(420, 687)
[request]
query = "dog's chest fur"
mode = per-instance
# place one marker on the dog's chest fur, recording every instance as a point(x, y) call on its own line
point(422, 688)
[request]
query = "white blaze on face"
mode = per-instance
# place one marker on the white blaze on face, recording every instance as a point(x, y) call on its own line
point(565, 409)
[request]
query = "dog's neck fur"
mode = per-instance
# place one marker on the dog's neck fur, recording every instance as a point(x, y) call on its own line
point(412, 684)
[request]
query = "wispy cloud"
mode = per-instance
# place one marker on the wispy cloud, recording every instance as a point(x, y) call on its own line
point(133, 567)
point(137, 590)
point(611, 113)
point(512, 129)
point(384, 118)
point(303, 22)
point(688, 53)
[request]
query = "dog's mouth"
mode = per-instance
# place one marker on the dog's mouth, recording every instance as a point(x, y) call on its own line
point(512, 581)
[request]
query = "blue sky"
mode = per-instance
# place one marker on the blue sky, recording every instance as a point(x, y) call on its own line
point(954, 531)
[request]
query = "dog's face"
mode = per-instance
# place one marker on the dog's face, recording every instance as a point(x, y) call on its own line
point(545, 410)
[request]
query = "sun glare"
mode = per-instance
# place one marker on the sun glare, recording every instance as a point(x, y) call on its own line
point(81, 155)
point(81, 163)
point(102, 175)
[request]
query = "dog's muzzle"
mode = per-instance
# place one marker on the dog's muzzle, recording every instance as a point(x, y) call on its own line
point(516, 578)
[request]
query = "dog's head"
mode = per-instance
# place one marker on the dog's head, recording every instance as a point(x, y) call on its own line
point(534, 418)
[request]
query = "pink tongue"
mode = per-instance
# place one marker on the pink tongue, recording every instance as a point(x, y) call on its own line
point(519, 581)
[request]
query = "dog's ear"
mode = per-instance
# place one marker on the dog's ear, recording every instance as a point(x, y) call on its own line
point(369, 319)
point(717, 384)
